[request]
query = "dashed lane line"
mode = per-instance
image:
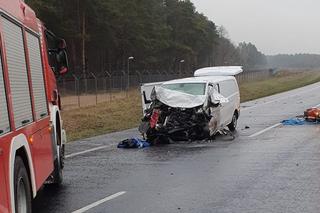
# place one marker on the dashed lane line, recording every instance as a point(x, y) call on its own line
point(264, 130)
point(87, 151)
point(99, 202)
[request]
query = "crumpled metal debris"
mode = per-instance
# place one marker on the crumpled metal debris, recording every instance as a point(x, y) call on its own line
point(162, 123)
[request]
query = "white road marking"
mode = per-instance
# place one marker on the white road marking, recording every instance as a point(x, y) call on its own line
point(99, 202)
point(86, 151)
point(264, 130)
point(279, 99)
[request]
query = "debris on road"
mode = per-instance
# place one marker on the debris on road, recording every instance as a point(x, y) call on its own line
point(301, 120)
point(245, 128)
point(312, 114)
point(133, 143)
point(293, 122)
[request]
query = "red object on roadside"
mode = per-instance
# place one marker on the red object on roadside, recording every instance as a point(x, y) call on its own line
point(154, 118)
point(312, 114)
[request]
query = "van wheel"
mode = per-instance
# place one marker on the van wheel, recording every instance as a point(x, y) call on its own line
point(233, 125)
point(22, 189)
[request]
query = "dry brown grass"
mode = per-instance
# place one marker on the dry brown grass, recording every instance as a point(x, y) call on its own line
point(72, 102)
point(125, 113)
point(106, 117)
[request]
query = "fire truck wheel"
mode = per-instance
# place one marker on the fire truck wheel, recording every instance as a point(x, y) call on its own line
point(58, 161)
point(58, 164)
point(22, 189)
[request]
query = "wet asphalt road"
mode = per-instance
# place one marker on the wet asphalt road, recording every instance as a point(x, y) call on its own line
point(275, 171)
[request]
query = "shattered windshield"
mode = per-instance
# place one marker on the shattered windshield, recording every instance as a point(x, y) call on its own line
point(189, 88)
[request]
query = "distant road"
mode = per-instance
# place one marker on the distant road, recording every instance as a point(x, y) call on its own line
point(267, 168)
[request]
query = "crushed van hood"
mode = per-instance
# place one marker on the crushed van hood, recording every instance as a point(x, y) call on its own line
point(178, 99)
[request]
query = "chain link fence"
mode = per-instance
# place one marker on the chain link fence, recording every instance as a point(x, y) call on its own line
point(78, 92)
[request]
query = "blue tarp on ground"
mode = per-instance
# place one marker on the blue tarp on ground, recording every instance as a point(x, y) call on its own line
point(133, 143)
point(294, 122)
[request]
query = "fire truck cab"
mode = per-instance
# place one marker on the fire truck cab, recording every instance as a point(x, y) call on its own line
point(31, 135)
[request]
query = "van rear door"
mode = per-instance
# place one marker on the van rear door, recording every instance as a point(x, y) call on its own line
point(146, 90)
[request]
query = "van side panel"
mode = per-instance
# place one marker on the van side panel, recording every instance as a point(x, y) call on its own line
point(230, 90)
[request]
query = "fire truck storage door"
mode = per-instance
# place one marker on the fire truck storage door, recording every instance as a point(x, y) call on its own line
point(4, 128)
point(42, 146)
point(4, 118)
point(37, 77)
point(18, 76)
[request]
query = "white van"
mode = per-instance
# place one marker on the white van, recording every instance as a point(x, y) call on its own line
point(205, 103)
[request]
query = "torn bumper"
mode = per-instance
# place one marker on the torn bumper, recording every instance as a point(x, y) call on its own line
point(165, 124)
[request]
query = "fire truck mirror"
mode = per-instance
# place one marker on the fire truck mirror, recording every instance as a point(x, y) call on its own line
point(62, 59)
point(62, 44)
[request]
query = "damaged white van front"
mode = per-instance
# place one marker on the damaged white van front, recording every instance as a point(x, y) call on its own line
point(193, 108)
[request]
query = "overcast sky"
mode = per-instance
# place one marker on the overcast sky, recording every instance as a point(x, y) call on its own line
point(274, 26)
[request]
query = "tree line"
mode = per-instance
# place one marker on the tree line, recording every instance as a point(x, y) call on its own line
point(296, 61)
point(160, 34)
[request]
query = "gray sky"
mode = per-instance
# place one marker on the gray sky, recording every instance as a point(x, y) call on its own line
point(274, 26)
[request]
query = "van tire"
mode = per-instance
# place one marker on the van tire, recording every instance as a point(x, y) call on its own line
point(233, 125)
point(22, 188)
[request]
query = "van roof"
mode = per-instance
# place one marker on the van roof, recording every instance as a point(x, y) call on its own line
point(202, 79)
point(219, 71)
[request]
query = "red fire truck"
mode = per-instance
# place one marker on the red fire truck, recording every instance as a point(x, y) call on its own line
point(31, 135)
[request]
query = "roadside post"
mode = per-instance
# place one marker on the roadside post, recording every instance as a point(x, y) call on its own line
point(180, 67)
point(108, 75)
point(76, 88)
point(96, 86)
point(128, 80)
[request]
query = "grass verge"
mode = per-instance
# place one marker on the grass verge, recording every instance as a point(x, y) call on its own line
point(126, 113)
point(104, 118)
point(281, 82)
